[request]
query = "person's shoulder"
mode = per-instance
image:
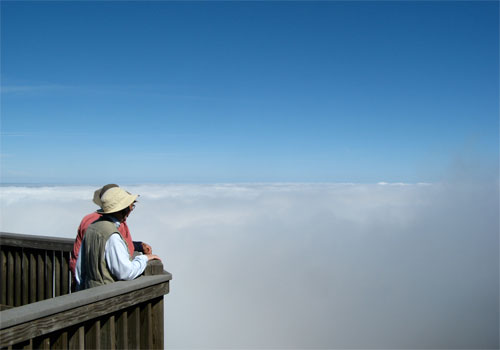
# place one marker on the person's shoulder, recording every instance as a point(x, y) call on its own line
point(88, 220)
point(92, 216)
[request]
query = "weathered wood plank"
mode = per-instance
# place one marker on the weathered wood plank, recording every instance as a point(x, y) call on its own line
point(32, 277)
point(10, 278)
point(25, 278)
point(57, 273)
point(146, 338)
point(157, 323)
point(108, 336)
point(36, 242)
point(65, 319)
point(121, 330)
point(65, 273)
point(134, 328)
point(30, 312)
point(59, 340)
point(112, 332)
point(40, 275)
point(76, 338)
point(3, 276)
point(49, 259)
point(18, 261)
point(93, 334)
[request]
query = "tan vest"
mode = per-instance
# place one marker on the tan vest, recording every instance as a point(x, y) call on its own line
point(95, 271)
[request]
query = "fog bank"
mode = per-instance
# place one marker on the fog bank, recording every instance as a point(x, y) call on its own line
point(307, 265)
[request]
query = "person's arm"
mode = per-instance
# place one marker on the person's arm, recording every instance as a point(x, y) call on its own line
point(117, 259)
point(78, 271)
point(142, 247)
point(138, 246)
point(76, 248)
point(84, 224)
point(74, 256)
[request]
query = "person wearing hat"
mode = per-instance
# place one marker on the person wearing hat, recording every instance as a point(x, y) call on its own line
point(104, 256)
point(90, 218)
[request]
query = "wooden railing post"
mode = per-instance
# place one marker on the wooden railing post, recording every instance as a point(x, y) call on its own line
point(76, 338)
point(107, 333)
point(157, 323)
point(146, 332)
point(26, 277)
point(17, 276)
point(134, 328)
point(93, 334)
point(40, 275)
point(10, 278)
point(57, 270)
point(49, 274)
point(122, 330)
point(3, 277)
point(32, 273)
point(65, 273)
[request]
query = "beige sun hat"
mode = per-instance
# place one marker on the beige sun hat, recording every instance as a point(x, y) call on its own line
point(115, 199)
point(100, 192)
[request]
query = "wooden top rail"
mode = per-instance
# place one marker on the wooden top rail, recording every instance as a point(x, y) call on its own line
point(36, 242)
point(49, 307)
point(97, 313)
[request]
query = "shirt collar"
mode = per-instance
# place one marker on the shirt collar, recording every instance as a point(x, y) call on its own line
point(115, 220)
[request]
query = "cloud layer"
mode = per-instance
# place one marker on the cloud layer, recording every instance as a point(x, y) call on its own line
point(307, 265)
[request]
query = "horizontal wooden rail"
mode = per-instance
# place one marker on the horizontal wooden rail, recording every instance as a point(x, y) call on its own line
point(110, 316)
point(36, 242)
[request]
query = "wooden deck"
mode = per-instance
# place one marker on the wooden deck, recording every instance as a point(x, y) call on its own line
point(41, 312)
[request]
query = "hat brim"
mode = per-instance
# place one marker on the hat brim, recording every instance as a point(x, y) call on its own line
point(97, 199)
point(120, 206)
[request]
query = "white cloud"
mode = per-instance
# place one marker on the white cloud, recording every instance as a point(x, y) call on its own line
point(21, 194)
point(306, 265)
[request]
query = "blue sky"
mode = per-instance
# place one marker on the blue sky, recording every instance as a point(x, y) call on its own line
point(96, 92)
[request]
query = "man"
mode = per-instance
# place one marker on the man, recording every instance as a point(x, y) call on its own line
point(90, 218)
point(104, 254)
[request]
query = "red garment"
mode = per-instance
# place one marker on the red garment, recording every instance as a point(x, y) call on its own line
point(86, 221)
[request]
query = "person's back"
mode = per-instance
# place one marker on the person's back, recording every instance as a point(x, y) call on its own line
point(104, 255)
point(82, 229)
point(94, 244)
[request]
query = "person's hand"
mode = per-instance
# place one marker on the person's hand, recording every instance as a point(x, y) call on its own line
point(153, 257)
point(146, 248)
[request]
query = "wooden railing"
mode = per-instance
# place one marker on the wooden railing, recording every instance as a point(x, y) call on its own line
point(42, 313)
point(33, 268)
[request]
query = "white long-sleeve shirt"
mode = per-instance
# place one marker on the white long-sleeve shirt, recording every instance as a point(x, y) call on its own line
point(117, 259)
